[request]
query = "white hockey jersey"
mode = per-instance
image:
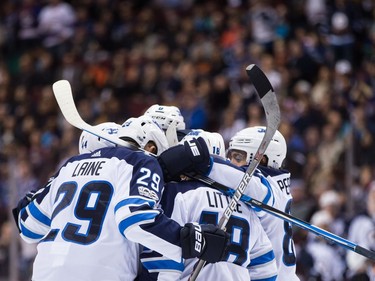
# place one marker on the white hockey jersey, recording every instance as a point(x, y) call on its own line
point(89, 220)
point(274, 192)
point(249, 253)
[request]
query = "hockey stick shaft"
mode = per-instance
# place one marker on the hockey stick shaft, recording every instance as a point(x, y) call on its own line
point(289, 218)
point(272, 111)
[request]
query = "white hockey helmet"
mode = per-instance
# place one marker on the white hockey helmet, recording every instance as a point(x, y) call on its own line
point(165, 114)
point(249, 139)
point(214, 141)
point(142, 130)
point(89, 142)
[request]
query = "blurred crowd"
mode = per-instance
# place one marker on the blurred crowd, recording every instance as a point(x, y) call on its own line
point(122, 56)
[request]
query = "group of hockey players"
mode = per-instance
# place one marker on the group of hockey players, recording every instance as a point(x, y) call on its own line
point(137, 212)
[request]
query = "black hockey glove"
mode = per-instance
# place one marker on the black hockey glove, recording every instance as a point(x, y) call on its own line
point(204, 241)
point(190, 157)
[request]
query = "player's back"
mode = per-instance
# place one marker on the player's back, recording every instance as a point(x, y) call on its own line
point(278, 230)
point(249, 253)
point(84, 241)
point(270, 186)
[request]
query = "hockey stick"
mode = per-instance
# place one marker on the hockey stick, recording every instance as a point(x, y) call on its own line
point(271, 108)
point(289, 218)
point(64, 97)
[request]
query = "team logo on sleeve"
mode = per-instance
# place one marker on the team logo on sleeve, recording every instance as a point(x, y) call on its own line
point(144, 191)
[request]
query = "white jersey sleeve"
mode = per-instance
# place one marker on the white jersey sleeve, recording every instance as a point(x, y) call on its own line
point(89, 220)
point(225, 173)
point(249, 255)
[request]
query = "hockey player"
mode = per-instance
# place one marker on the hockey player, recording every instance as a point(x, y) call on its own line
point(249, 255)
point(144, 133)
point(273, 191)
point(89, 142)
point(170, 119)
point(89, 220)
point(242, 149)
point(164, 115)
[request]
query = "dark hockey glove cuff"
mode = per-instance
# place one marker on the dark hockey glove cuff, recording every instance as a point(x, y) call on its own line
point(190, 157)
point(207, 242)
point(22, 204)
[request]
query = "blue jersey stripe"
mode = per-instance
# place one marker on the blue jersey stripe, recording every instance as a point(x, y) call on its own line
point(36, 213)
point(163, 265)
point(134, 201)
point(136, 219)
point(273, 278)
point(29, 233)
point(267, 257)
point(265, 182)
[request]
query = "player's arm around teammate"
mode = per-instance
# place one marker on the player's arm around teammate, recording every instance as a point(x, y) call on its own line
point(249, 255)
point(88, 220)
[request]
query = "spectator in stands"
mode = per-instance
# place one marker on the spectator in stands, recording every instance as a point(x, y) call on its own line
point(122, 55)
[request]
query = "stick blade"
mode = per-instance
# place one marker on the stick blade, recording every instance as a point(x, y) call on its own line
point(269, 101)
point(259, 80)
point(64, 97)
